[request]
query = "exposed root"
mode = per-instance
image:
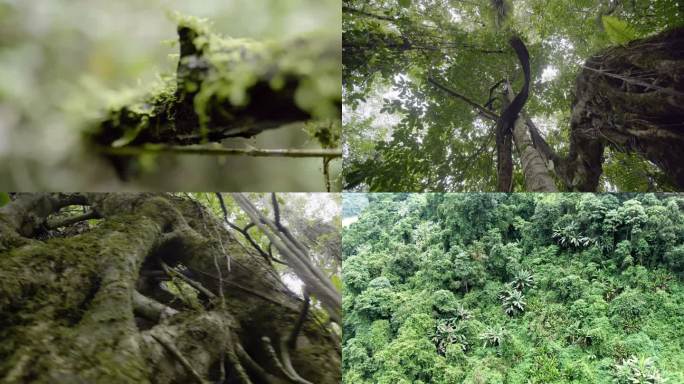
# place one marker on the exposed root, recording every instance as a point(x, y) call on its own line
point(198, 286)
point(151, 309)
point(232, 357)
point(179, 356)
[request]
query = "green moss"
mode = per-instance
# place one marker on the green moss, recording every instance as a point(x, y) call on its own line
point(218, 77)
point(131, 113)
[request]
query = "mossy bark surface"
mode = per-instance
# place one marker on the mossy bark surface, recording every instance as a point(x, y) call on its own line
point(227, 87)
point(85, 304)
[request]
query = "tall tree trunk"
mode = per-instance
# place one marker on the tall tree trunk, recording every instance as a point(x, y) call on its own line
point(504, 153)
point(632, 99)
point(84, 304)
point(537, 175)
point(534, 167)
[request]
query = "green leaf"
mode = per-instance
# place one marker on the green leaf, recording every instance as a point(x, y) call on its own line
point(619, 32)
point(405, 3)
point(4, 198)
point(337, 282)
point(130, 135)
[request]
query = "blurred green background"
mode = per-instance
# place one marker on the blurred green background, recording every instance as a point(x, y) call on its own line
point(62, 60)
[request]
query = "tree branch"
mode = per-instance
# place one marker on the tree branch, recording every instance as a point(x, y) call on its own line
point(65, 222)
point(170, 271)
point(311, 275)
point(485, 112)
point(366, 14)
point(203, 150)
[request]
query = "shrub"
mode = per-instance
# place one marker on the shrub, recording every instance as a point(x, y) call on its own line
point(513, 301)
point(569, 236)
point(410, 358)
point(503, 258)
point(402, 263)
point(570, 287)
point(635, 370)
point(377, 301)
point(493, 336)
point(462, 313)
point(449, 332)
point(627, 310)
point(523, 279)
point(355, 275)
point(356, 356)
point(675, 258)
point(623, 254)
point(444, 302)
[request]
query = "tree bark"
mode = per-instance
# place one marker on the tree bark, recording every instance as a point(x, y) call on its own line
point(89, 307)
point(537, 175)
point(504, 152)
point(534, 166)
point(630, 98)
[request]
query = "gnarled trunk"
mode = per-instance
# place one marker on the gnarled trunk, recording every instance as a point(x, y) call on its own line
point(632, 99)
point(85, 304)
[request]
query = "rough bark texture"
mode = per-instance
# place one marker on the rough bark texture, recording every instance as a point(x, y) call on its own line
point(632, 99)
point(86, 305)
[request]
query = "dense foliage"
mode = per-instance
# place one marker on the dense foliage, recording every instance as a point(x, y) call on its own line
point(403, 133)
point(515, 288)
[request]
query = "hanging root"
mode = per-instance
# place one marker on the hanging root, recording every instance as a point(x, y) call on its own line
point(291, 342)
point(288, 372)
point(251, 364)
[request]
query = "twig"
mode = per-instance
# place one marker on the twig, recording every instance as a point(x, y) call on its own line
point(73, 220)
point(248, 290)
point(191, 282)
point(326, 173)
point(179, 356)
point(485, 112)
point(243, 231)
point(203, 150)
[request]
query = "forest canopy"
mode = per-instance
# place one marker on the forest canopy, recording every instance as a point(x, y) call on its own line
point(425, 85)
point(170, 288)
point(514, 288)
